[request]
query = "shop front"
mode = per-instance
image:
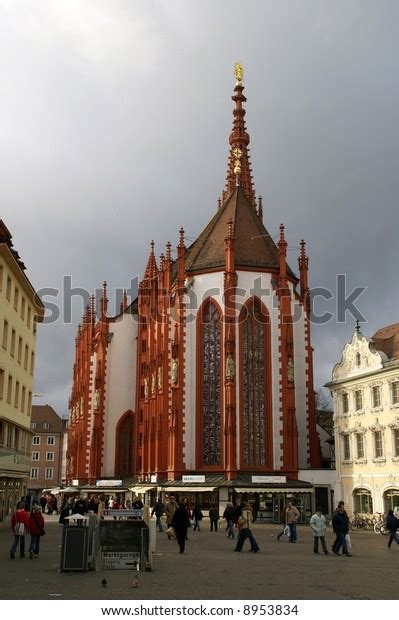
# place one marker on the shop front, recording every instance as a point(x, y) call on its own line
point(268, 495)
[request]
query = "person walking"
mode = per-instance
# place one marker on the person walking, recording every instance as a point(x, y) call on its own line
point(158, 510)
point(318, 525)
point(43, 503)
point(214, 518)
point(170, 510)
point(340, 523)
point(292, 516)
point(244, 523)
point(392, 525)
point(229, 515)
point(36, 529)
point(66, 510)
point(335, 543)
point(197, 516)
point(20, 527)
point(180, 523)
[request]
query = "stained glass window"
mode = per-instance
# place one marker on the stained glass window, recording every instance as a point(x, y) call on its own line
point(253, 347)
point(211, 407)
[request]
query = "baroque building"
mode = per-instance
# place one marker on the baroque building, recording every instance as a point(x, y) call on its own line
point(365, 388)
point(20, 311)
point(216, 389)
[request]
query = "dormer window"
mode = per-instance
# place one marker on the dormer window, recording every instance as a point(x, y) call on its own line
point(345, 403)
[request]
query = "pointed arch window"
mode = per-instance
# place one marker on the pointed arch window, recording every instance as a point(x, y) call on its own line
point(255, 393)
point(210, 379)
point(124, 446)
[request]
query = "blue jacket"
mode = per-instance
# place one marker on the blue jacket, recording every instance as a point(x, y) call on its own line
point(340, 522)
point(392, 523)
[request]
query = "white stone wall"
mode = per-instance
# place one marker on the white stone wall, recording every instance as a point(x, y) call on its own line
point(120, 383)
point(300, 369)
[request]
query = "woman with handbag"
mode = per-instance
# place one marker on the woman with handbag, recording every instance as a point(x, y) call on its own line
point(20, 527)
point(36, 528)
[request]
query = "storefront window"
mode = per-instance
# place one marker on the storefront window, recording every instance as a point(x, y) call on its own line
point(391, 500)
point(362, 501)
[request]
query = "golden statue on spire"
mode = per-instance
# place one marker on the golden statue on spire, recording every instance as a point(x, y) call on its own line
point(239, 73)
point(237, 161)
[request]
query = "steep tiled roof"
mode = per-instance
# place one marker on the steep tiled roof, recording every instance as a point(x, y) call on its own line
point(386, 340)
point(45, 413)
point(253, 245)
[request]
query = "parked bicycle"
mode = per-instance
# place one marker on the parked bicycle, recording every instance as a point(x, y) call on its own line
point(380, 527)
point(359, 522)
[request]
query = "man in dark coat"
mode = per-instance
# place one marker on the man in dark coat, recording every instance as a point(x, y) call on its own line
point(340, 523)
point(180, 523)
point(392, 525)
point(158, 510)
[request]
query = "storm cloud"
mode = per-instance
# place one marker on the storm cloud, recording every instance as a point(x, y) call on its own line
point(114, 131)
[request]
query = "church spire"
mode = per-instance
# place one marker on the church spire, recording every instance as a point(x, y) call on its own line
point(239, 167)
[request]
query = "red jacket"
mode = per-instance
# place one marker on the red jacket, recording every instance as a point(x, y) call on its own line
point(21, 516)
point(36, 523)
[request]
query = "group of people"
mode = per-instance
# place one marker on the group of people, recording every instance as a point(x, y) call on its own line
point(23, 523)
point(179, 517)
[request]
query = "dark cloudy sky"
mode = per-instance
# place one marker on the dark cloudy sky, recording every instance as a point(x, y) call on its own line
point(114, 125)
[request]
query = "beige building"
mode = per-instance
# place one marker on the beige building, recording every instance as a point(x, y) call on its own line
point(20, 309)
point(365, 389)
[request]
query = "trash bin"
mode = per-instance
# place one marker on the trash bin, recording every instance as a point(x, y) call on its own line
point(75, 544)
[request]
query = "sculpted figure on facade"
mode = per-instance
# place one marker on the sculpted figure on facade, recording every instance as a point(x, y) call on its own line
point(175, 371)
point(230, 368)
point(160, 378)
point(97, 399)
point(145, 387)
point(290, 370)
point(153, 383)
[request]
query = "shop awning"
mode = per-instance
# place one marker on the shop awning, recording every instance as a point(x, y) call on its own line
point(272, 490)
point(178, 489)
point(142, 489)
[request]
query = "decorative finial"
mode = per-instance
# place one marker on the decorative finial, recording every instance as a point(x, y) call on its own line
point(357, 328)
point(219, 203)
point(152, 246)
point(181, 241)
point(230, 229)
point(239, 73)
point(260, 208)
point(168, 251)
point(282, 231)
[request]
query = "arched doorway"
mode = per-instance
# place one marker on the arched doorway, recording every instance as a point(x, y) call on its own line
point(391, 500)
point(362, 501)
point(124, 445)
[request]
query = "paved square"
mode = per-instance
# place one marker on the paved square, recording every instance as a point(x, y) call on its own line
point(210, 570)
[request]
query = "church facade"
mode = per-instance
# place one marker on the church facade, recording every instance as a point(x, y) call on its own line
point(212, 363)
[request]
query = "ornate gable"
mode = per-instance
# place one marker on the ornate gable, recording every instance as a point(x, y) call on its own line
point(358, 357)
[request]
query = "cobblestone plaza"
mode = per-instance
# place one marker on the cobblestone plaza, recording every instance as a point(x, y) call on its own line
point(211, 570)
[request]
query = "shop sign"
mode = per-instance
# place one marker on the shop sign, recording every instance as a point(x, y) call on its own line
point(269, 479)
point(119, 560)
point(193, 478)
point(75, 483)
point(14, 461)
point(109, 483)
point(153, 478)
